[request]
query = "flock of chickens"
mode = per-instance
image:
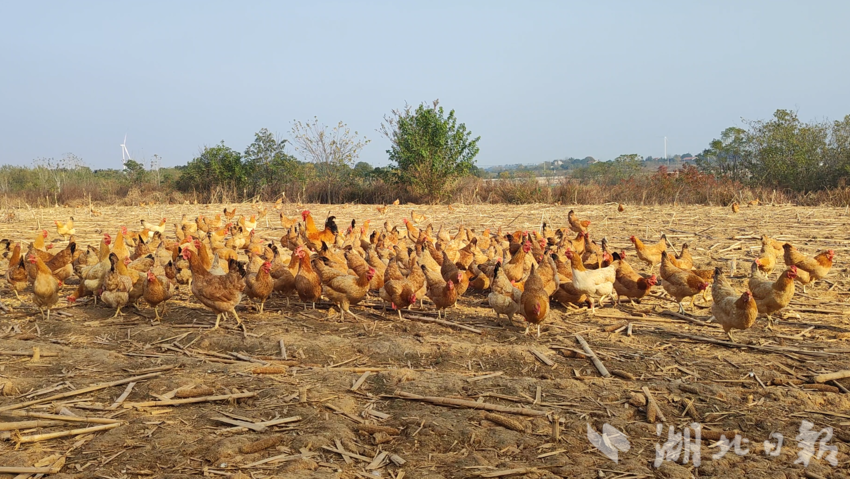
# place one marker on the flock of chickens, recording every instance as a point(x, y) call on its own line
point(521, 271)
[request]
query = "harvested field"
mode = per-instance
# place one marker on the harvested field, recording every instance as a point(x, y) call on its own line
point(302, 395)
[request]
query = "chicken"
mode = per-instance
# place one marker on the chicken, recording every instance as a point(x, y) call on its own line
point(345, 289)
point(592, 282)
point(516, 269)
point(116, 285)
point(45, 289)
point(577, 225)
point(327, 235)
point(628, 283)
point(534, 301)
point(38, 242)
point(766, 260)
point(442, 293)
point(91, 277)
point(817, 267)
point(287, 222)
point(308, 285)
point(771, 245)
point(152, 228)
point(503, 297)
point(16, 274)
point(120, 246)
point(400, 293)
point(650, 254)
point(229, 214)
point(219, 293)
point(684, 260)
point(621, 208)
point(772, 296)
point(65, 230)
point(733, 310)
point(735, 207)
point(260, 285)
point(679, 283)
point(61, 265)
point(158, 290)
point(248, 225)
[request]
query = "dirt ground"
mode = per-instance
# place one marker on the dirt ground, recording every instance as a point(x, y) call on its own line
point(341, 386)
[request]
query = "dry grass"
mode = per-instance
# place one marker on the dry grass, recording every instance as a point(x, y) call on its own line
point(692, 380)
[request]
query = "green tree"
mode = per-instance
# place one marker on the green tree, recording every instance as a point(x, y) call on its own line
point(218, 167)
point(724, 156)
point(784, 152)
point(267, 167)
point(331, 150)
point(429, 149)
point(135, 172)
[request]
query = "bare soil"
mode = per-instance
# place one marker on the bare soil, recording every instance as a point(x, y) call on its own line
point(747, 388)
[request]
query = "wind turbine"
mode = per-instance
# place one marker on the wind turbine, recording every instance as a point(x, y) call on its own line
point(125, 153)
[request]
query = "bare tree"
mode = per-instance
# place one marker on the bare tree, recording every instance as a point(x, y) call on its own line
point(332, 150)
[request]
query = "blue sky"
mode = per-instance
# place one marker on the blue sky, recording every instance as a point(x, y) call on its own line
point(536, 80)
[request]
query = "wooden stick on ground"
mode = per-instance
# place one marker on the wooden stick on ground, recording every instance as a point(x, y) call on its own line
point(822, 378)
point(650, 403)
point(178, 402)
point(463, 403)
point(122, 397)
point(59, 417)
point(27, 470)
point(72, 432)
point(77, 392)
point(595, 359)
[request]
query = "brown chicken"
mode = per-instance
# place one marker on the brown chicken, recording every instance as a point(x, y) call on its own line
point(817, 267)
point(398, 291)
point(308, 285)
point(771, 245)
point(442, 293)
point(116, 285)
point(219, 293)
point(287, 222)
point(650, 254)
point(344, 289)
point(577, 225)
point(158, 290)
point(772, 296)
point(16, 274)
point(534, 301)
point(629, 283)
point(733, 310)
point(516, 268)
point(766, 260)
point(684, 260)
point(45, 289)
point(679, 283)
point(621, 208)
point(260, 285)
point(735, 207)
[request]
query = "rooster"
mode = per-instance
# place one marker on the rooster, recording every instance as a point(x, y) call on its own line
point(314, 235)
point(733, 310)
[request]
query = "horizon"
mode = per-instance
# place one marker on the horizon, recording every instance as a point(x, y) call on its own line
point(539, 82)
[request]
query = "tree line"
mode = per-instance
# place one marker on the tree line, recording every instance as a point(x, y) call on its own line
point(432, 159)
